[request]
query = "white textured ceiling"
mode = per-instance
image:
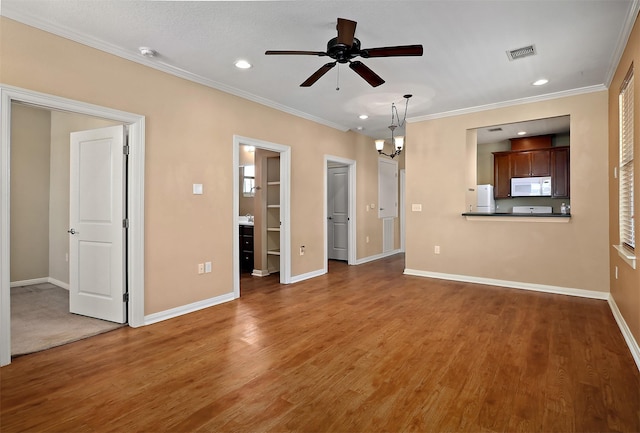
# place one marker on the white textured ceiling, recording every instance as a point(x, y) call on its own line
point(464, 66)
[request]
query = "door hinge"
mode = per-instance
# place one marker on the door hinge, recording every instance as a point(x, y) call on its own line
point(125, 149)
point(125, 223)
point(125, 297)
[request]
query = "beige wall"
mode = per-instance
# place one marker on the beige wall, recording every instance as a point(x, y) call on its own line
point(189, 136)
point(624, 290)
point(573, 255)
point(30, 130)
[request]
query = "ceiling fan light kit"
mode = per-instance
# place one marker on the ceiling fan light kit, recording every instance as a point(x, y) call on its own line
point(344, 48)
point(397, 142)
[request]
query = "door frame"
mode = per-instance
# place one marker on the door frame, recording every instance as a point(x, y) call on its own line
point(351, 226)
point(285, 206)
point(135, 201)
point(402, 209)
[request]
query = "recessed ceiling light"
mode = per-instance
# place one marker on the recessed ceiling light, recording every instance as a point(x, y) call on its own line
point(147, 52)
point(363, 116)
point(243, 64)
point(540, 82)
point(522, 132)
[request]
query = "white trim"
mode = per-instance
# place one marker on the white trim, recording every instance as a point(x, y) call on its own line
point(29, 282)
point(186, 309)
point(403, 215)
point(260, 273)
point(159, 65)
point(285, 206)
point(592, 294)
point(351, 224)
point(59, 283)
point(42, 280)
point(625, 33)
point(308, 275)
point(377, 257)
point(135, 193)
point(626, 332)
point(512, 103)
point(624, 254)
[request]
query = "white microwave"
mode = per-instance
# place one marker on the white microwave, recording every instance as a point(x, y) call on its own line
point(531, 186)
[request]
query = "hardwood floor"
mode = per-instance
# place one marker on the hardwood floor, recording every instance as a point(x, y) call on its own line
point(361, 349)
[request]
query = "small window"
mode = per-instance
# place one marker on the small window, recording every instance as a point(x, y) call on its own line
point(626, 175)
point(249, 181)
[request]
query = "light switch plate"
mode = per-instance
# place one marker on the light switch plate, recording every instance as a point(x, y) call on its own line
point(416, 207)
point(197, 188)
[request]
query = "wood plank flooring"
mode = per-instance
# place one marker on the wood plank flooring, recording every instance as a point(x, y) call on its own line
point(361, 349)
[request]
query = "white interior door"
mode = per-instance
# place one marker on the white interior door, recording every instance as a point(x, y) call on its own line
point(96, 233)
point(387, 188)
point(338, 213)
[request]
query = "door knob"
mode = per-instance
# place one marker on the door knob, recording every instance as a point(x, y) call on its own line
point(329, 218)
point(72, 231)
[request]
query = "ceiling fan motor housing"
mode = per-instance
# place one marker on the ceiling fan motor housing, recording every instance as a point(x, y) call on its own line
point(341, 52)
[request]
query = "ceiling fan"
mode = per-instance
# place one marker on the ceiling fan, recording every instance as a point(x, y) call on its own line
point(345, 47)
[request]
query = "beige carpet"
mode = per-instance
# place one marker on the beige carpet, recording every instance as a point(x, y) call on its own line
point(40, 319)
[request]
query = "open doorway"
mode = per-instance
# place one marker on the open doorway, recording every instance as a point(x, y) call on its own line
point(41, 260)
point(134, 191)
point(339, 229)
point(267, 228)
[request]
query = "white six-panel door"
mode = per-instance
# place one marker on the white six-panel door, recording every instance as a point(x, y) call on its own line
point(96, 233)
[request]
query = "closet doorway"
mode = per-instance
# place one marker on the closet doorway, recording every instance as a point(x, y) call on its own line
point(270, 233)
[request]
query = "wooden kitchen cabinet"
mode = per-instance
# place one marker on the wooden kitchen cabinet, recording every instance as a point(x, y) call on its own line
point(530, 163)
point(560, 185)
point(502, 174)
point(552, 162)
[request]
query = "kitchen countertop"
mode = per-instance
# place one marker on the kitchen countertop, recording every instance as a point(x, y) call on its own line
point(505, 214)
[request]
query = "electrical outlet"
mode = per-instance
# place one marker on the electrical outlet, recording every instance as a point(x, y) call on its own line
point(367, 239)
point(201, 268)
point(207, 267)
point(436, 249)
point(302, 250)
point(616, 272)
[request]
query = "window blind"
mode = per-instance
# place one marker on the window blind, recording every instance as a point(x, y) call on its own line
point(626, 176)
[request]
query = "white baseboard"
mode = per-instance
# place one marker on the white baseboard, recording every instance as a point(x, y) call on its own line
point(185, 309)
point(59, 283)
point(512, 284)
point(29, 282)
point(308, 275)
point(626, 332)
point(377, 257)
point(39, 281)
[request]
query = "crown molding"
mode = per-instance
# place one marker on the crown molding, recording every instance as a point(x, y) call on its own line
point(512, 103)
point(158, 65)
point(625, 33)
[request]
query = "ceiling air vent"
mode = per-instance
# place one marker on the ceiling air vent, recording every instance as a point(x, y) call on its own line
point(522, 52)
point(494, 129)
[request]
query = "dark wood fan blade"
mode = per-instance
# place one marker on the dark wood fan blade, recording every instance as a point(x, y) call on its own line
point(346, 31)
point(403, 50)
point(317, 74)
point(366, 73)
point(295, 53)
